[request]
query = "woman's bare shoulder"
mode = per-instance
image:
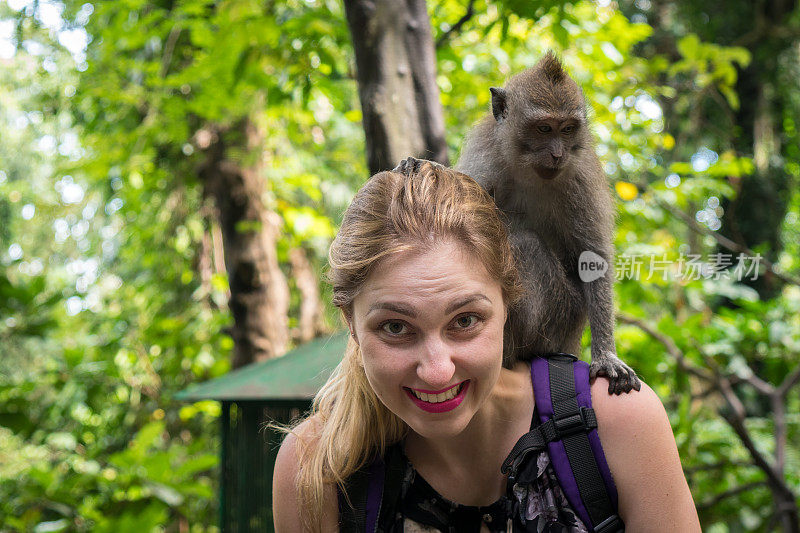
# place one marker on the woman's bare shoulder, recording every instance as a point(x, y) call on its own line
point(640, 449)
point(286, 506)
point(302, 436)
point(619, 411)
point(306, 433)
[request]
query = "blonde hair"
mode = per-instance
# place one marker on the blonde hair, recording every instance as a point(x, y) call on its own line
point(391, 213)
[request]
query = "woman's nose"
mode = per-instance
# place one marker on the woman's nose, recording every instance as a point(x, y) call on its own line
point(435, 367)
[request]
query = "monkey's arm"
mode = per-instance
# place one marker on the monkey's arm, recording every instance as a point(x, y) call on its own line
point(599, 296)
point(596, 237)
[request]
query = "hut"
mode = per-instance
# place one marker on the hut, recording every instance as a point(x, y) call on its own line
point(278, 389)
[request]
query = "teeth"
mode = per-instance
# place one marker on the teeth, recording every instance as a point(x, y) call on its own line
point(437, 398)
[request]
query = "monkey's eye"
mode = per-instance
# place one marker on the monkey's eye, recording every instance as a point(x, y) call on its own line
point(568, 129)
point(544, 128)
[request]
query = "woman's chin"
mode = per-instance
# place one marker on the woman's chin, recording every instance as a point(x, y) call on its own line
point(438, 430)
point(437, 427)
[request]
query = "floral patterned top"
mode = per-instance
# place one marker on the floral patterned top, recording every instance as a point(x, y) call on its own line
point(536, 504)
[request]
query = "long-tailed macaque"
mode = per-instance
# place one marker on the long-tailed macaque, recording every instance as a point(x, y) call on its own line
point(535, 156)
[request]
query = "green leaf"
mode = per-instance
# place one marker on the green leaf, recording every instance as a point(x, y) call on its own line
point(196, 464)
point(166, 494)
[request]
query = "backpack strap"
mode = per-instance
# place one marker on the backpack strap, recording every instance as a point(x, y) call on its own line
point(373, 491)
point(569, 427)
point(353, 513)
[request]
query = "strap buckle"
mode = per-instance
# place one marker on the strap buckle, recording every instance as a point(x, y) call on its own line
point(560, 428)
point(532, 442)
point(513, 470)
point(581, 422)
point(612, 524)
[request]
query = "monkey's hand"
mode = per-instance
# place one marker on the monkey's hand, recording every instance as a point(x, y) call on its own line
point(621, 377)
point(412, 165)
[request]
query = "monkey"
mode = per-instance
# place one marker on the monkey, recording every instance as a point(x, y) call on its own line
point(534, 154)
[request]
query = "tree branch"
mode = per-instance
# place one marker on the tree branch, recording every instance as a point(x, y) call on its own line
point(737, 414)
point(731, 245)
point(779, 412)
point(717, 466)
point(735, 418)
point(790, 381)
point(759, 384)
point(172, 39)
point(457, 26)
point(668, 343)
point(728, 493)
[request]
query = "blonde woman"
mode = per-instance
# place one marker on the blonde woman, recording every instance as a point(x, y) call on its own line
point(424, 275)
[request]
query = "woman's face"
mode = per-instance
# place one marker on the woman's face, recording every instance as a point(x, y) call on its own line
point(430, 328)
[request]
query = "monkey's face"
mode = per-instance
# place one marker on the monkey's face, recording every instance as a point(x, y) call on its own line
point(547, 144)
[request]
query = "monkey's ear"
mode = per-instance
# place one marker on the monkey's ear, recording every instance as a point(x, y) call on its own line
point(499, 107)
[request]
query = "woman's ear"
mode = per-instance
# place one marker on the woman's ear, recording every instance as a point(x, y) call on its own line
point(351, 326)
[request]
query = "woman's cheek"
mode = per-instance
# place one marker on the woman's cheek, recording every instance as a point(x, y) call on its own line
point(382, 370)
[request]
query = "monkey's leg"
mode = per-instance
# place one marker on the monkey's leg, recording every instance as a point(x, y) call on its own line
point(551, 314)
point(605, 362)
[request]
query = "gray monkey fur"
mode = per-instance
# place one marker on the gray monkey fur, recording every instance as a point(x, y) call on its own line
point(557, 204)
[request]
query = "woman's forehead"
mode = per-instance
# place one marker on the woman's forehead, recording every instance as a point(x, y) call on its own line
point(441, 259)
point(444, 270)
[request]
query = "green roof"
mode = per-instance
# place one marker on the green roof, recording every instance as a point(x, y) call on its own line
point(297, 375)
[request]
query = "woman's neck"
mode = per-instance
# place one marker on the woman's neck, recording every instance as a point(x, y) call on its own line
point(466, 468)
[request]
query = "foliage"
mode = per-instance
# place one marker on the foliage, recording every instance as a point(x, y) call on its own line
point(104, 314)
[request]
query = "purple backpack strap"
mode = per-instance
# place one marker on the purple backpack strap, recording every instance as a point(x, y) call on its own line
point(377, 473)
point(569, 427)
point(374, 492)
point(360, 510)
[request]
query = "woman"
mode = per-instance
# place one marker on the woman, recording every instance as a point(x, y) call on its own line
point(424, 276)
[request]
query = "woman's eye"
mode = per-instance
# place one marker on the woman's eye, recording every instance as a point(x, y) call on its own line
point(543, 128)
point(466, 321)
point(394, 328)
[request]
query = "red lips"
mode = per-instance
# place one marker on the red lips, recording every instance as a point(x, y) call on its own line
point(441, 407)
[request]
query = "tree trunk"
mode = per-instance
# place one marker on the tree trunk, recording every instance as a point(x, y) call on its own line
point(311, 321)
point(755, 216)
point(259, 299)
point(396, 64)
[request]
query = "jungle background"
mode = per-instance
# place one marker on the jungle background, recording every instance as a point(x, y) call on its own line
point(172, 172)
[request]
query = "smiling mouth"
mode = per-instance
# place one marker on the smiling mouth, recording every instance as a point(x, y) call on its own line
point(439, 401)
point(438, 397)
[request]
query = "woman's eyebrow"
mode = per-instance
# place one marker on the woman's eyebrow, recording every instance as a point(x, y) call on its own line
point(409, 311)
point(466, 300)
point(390, 306)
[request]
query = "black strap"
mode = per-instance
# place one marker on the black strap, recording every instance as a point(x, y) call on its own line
point(353, 515)
point(535, 440)
point(353, 518)
point(571, 422)
point(531, 442)
point(395, 470)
